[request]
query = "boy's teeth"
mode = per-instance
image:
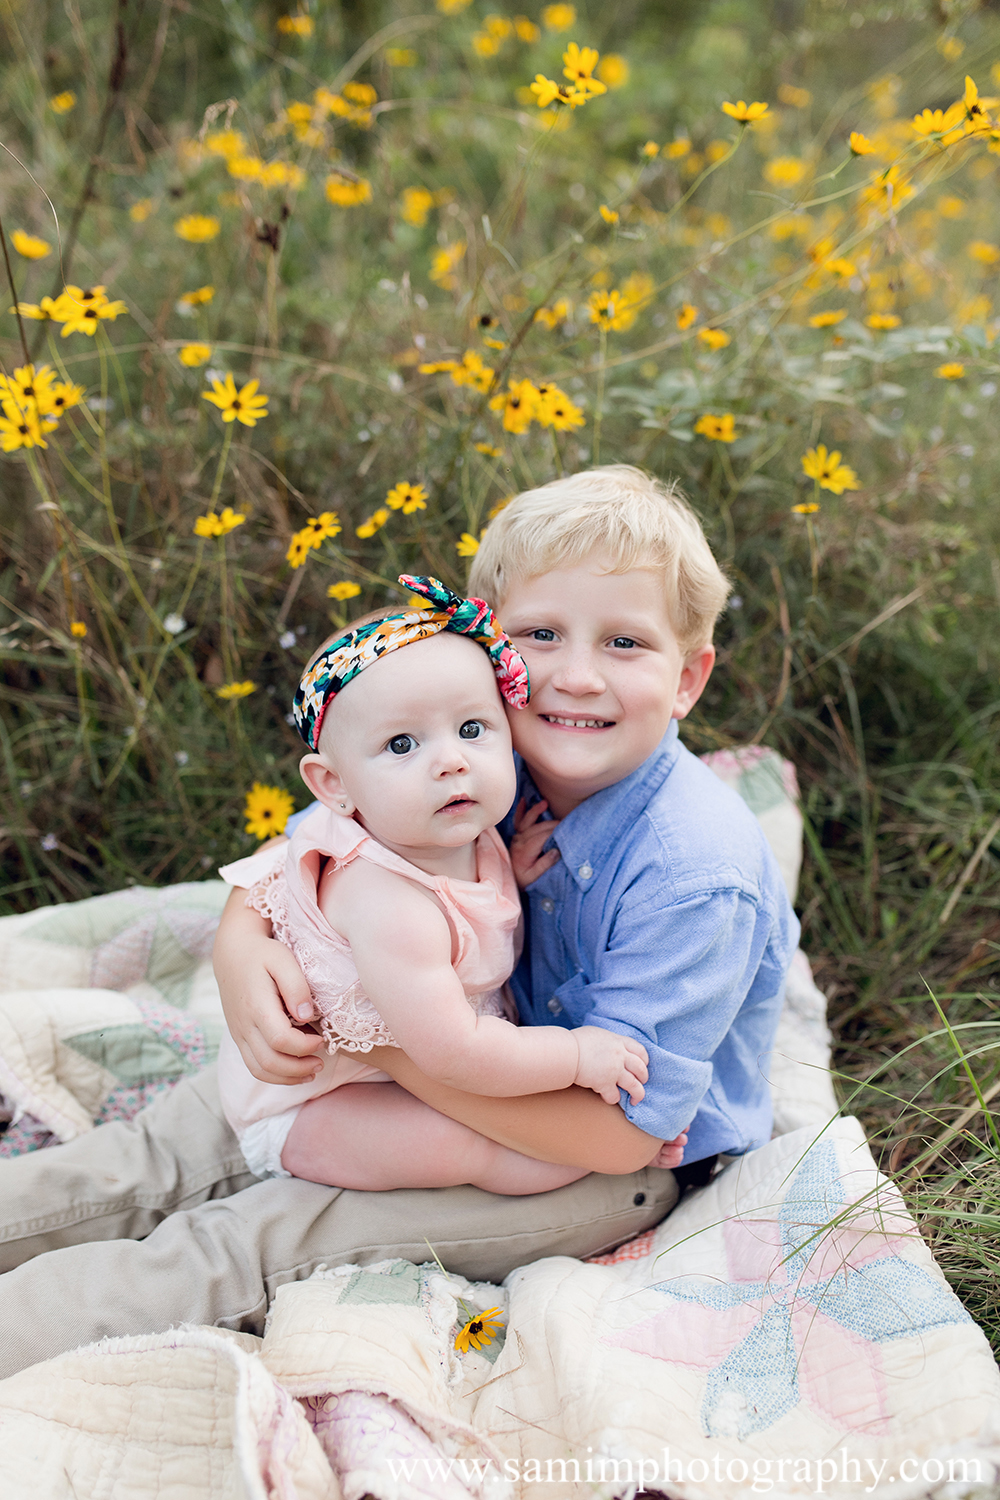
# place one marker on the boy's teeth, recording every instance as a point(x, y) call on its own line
point(579, 723)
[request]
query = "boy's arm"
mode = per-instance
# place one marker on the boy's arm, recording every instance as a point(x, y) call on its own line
point(572, 1126)
point(262, 987)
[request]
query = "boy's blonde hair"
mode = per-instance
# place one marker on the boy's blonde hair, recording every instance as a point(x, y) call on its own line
point(631, 518)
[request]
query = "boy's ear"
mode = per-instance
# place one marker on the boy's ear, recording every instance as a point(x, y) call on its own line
point(325, 784)
point(695, 673)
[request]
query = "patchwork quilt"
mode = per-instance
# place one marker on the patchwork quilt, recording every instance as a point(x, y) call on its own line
point(784, 1332)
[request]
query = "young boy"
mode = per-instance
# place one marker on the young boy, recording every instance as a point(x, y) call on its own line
point(657, 911)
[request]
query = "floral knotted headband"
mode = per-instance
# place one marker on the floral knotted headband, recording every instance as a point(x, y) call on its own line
point(350, 654)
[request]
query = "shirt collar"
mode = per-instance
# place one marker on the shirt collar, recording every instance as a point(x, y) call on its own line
point(588, 834)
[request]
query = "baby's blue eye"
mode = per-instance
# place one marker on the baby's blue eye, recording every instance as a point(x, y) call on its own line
point(543, 635)
point(623, 641)
point(402, 744)
point(472, 729)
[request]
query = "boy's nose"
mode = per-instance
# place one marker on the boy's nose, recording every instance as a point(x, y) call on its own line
point(578, 674)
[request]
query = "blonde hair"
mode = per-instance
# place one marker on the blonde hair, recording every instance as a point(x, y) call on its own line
point(633, 519)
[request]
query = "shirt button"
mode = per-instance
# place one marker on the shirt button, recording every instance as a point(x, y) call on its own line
point(585, 872)
point(554, 1006)
point(548, 904)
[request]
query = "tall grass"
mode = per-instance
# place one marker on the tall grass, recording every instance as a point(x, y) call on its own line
point(390, 195)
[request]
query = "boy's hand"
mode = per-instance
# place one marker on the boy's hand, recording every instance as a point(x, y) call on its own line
point(671, 1153)
point(525, 847)
point(262, 988)
point(609, 1062)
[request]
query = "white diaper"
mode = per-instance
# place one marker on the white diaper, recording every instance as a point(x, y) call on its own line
point(263, 1142)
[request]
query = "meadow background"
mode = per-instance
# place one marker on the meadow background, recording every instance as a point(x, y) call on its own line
point(312, 206)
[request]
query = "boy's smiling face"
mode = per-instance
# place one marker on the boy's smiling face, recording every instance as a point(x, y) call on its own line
point(607, 676)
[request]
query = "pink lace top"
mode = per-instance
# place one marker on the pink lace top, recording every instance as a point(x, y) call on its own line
point(483, 915)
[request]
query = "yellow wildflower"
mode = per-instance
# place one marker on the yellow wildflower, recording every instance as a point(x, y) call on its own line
point(519, 404)
point(298, 549)
point(717, 429)
point(346, 192)
point(840, 266)
point(444, 262)
point(61, 104)
point(687, 315)
point(829, 318)
point(785, 171)
point(29, 385)
point(950, 47)
point(243, 406)
point(578, 66)
point(226, 143)
point(489, 450)
point(484, 45)
point(613, 69)
point(80, 310)
point(941, 123)
point(950, 207)
point(794, 97)
point(789, 226)
point(743, 113)
point(609, 215)
point(467, 545)
point(141, 210)
point(63, 395)
point(676, 149)
point(374, 523)
point(407, 497)
point(245, 168)
point(984, 252)
point(557, 313)
point(976, 310)
point(482, 1329)
point(714, 338)
point(472, 371)
point(438, 367)
point(806, 508)
point(950, 371)
point(650, 149)
point(318, 528)
point(361, 93)
point(718, 150)
point(545, 90)
point(416, 204)
point(20, 428)
point(828, 471)
point(860, 144)
point(194, 355)
point(267, 810)
point(342, 591)
point(976, 117)
point(77, 628)
point(197, 228)
point(198, 297)
point(556, 410)
point(236, 690)
point(298, 25)
point(526, 30)
point(451, 7)
point(29, 245)
point(559, 17)
point(218, 525)
point(401, 57)
point(882, 321)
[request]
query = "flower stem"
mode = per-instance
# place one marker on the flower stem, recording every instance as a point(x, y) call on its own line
point(223, 458)
point(599, 410)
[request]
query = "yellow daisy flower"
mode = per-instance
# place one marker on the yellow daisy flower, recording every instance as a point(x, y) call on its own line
point(267, 810)
point(807, 508)
point(318, 528)
point(194, 355)
point(77, 628)
point(467, 545)
point(881, 322)
point(237, 406)
point(613, 69)
point(717, 429)
point(407, 497)
point(374, 523)
point(744, 113)
point(828, 471)
point(609, 215)
point(197, 228)
point(29, 245)
point(950, 371)
point(344, 590)
point(481, 1330)
point(347, 192)
point(299, 25)
point(860, 144)
point(61, 104)
point(714, 338)
point(828, 319)
point(687, 315)
point(236, 690)
point(559, 17)
point(299, 548)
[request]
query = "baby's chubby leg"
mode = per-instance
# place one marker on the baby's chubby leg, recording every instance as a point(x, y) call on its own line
point(376, 1137)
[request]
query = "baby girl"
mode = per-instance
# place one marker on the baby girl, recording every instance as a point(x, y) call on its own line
point(399, 901)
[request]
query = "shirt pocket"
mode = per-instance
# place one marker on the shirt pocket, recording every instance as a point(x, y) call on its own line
point(574, 1001)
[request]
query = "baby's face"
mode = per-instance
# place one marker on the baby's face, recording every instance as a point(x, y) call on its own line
point(421, 744)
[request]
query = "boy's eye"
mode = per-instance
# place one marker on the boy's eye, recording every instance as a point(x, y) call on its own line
point(543, 635)
point(623, 642)
point(402, 744)
point(472, 729)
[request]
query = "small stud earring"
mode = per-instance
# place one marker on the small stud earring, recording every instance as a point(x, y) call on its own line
point(344, 806)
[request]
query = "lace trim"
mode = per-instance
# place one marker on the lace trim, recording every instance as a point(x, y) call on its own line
point(268, 897)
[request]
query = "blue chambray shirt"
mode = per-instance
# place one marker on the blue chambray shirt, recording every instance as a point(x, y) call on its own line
point(666, 919)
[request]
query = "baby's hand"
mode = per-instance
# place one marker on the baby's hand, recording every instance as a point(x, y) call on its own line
point(609, 1062)
point(526, 845)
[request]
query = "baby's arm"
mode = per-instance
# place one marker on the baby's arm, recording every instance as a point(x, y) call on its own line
point(401, 943)
point(262, 988)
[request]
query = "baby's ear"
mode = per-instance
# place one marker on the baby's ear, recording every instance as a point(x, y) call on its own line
point(325, 784)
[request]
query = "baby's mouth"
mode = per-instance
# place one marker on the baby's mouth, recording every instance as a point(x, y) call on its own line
point(567, 721)
point(455, 804)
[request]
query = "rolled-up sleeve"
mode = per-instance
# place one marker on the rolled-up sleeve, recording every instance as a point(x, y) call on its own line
point(689, 981)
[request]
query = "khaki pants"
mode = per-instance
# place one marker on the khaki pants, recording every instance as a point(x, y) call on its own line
point(136, 1227)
